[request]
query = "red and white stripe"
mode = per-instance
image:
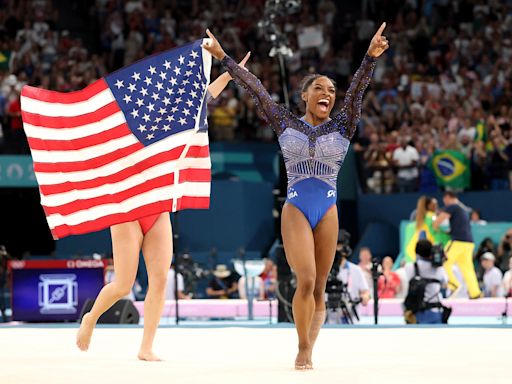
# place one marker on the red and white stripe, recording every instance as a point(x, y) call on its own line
point(94, 173)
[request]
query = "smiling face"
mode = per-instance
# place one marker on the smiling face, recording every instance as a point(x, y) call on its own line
point(319, 96)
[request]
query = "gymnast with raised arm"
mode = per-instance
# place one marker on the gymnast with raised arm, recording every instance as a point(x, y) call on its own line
point(152, 234)
point(313, 147)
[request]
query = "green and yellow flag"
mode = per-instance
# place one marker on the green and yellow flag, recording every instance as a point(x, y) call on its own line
point(481, 131)
point(451, 169)
point(427, 231)
point(5, 56)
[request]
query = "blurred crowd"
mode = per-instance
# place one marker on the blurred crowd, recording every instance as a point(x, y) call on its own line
point(443, 84)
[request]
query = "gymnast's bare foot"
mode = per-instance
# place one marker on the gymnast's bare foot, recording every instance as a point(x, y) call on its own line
point(148, 356)
point(83, 338)
point(303, 359)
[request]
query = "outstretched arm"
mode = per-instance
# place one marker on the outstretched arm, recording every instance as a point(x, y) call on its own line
point(351, 111)
point(223, 80)
point(267, 108)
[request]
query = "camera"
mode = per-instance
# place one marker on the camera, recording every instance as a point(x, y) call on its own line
point(437, 255)
point(338, 297)
point(191, 271)
point(433, 253)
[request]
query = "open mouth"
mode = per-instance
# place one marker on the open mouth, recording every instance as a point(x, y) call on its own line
point(323, 105)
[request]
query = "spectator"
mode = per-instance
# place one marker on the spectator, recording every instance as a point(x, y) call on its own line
point(492, 278)
point(404, 281)
point(365, 263)
point(460, 248)
point(379, 164)
point(17, 135)
point(504, 252)
point(507, 281)
point(389, 282)
point(485, 246)
point(476, 218)
point(498, 161)
point(224, 283)
point(406, 159)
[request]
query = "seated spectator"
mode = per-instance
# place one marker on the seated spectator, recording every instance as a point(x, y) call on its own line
point(485, 246)
point(492, 278)
point(504, 252)
point(170, 291)
point(224, 283)
point(476, 217)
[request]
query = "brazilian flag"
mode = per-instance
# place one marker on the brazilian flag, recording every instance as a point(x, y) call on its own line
point(451, 169)
point(5, 56)
point(427, 231)
point(481, 132)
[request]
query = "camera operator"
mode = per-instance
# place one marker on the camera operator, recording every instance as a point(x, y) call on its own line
point(427, 277)
point(352, 277)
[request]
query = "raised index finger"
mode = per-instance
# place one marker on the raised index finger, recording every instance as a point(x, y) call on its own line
point(381, 29)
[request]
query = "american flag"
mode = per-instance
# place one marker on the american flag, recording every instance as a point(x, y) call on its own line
point(130, 145)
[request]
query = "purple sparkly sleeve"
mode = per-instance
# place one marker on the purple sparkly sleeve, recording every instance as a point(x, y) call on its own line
point(271, 112)
point(350, 114)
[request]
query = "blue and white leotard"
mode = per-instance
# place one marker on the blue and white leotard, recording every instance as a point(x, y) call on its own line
point(312, 155)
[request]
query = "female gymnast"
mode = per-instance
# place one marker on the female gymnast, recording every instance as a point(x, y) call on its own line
point(313, 147)
point(152, 234)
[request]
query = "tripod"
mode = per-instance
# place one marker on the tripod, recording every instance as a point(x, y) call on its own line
point(342, 300)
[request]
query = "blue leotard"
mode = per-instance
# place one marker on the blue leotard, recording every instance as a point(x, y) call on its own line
point(312, 155)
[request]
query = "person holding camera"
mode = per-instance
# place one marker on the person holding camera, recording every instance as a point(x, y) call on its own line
point(426, 279)
point(459, 250)
point(352, 277)
point(504, 252)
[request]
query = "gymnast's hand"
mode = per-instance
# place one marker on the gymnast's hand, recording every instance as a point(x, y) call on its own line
point(214, 47)
point(379, 43)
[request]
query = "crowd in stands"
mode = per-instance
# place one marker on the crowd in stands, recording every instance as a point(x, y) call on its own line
point(443, 84)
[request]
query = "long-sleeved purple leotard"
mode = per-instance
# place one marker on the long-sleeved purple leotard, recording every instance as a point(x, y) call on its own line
point(312, 155)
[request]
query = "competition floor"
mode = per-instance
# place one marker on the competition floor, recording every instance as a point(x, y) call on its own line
point(258, 354)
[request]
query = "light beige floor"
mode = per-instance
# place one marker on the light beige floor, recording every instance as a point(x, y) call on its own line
point(262, 356)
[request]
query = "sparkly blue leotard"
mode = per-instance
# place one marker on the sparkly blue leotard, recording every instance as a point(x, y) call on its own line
point(312, 155)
